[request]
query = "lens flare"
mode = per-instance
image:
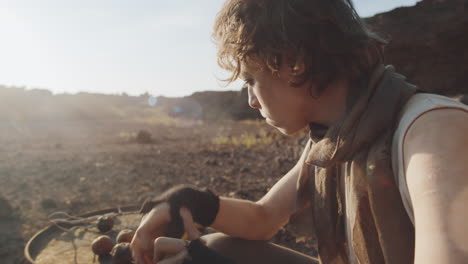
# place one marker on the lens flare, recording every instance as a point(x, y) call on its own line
point(152, 101)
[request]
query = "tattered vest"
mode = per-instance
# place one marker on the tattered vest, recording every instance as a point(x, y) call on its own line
point(360, 140)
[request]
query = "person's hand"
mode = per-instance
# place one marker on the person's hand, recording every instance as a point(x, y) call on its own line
point(153, 225)
point(172, 250)
point(148, 245)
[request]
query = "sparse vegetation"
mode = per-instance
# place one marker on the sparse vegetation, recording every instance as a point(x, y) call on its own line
point(246, 139)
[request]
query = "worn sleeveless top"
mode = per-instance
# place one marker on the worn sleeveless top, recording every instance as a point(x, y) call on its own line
point(417, 105)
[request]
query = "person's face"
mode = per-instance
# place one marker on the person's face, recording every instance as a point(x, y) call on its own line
point(282, 105)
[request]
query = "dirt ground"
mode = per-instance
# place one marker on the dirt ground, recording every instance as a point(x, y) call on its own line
point(80, 167)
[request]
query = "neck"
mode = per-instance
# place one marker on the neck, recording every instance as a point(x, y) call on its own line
point(331, 104)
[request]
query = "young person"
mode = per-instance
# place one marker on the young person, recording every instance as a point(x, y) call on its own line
point(383, 177)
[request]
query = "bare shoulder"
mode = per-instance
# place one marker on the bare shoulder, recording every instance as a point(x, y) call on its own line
point(436, 164)
point(436, 145)
point(439, 132)
point(435, 151)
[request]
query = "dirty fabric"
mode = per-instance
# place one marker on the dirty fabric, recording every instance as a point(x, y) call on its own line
point(360, 139)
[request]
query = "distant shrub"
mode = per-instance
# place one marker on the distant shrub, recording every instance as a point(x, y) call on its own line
point(144, 137)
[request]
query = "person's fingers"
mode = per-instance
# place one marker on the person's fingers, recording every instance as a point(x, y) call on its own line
point(189, 225)
point(164, 246)
point(136, 251)
point(137, 257)
point(141, 258)
point(148, 260)
point(141, 245)
point(176, 259)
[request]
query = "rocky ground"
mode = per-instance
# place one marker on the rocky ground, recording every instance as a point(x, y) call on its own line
point(79, 167)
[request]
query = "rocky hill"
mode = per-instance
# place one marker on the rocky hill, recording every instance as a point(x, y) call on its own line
point(19, 104)
point(211, 105)
point(429, 43)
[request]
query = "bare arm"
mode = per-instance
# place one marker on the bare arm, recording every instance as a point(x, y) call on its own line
point(262, 219)
point(436, 158)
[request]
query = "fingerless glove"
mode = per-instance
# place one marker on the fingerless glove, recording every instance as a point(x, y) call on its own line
point(203, 205)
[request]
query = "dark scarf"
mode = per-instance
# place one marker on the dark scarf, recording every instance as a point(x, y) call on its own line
point(361, 139)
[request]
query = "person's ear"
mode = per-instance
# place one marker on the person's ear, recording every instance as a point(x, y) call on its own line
point(298, 68)
point(295, 65)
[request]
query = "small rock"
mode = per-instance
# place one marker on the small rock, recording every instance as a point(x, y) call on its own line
point(244, 170)
point(48, 203)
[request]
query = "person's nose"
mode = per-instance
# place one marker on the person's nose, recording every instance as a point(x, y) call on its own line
point(253, 100)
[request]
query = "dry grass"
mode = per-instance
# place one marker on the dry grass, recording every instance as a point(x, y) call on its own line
point(246, 139)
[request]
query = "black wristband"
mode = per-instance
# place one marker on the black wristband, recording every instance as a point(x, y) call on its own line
point(201, 254)
point(203, 204)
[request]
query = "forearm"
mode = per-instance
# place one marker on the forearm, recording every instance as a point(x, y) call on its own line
point(260, 220)
point(243, 219)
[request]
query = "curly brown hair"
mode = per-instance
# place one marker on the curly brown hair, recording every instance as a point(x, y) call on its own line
point(327, 37)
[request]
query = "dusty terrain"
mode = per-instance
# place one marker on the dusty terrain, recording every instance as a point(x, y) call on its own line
point(79, 167)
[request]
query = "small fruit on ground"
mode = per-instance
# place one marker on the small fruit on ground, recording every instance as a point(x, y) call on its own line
point(122, 254)
point(102, 245)
point(105, 223)
point(125, 235)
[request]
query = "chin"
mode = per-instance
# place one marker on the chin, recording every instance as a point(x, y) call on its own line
point(284, 131)
point(287, 131)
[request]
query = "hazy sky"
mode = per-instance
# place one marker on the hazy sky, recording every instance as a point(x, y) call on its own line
point(115, 46)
